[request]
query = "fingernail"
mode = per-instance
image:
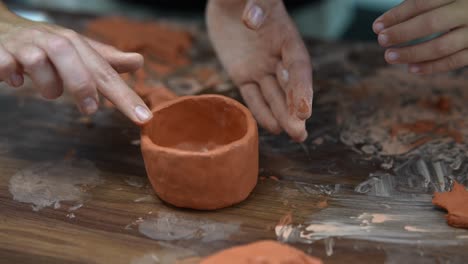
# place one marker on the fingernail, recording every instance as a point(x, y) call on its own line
point(142, 113)
point(379, 26)
point(383, 39)
point(393, 56)
point(414, 69)
point(285, 75)
point(16, 79)
point(89, 105)
point(255, 16)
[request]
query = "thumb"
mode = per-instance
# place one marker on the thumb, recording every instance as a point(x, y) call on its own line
point(121, 61)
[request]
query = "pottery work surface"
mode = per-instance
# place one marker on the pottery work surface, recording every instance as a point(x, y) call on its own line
point(358, 190)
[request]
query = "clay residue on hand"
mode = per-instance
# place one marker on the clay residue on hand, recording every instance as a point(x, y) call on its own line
point(266, 252)
point(456, 203)
point(303, 107)
point(49, 183)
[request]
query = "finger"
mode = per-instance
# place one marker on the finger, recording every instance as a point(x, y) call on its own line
point(435, 21)
point(7, 65)
point(275, 98)
point(76, 79)
point(37, 66)
point(257, 105)
point(440, 47)
point(406, 10)
point(452, 62)
point(109, 82)
point(299, 85)
point(121, 61)
point(256, 12)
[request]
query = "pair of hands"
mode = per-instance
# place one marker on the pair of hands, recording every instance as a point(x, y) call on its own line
point(272, 70)
point(256, 42)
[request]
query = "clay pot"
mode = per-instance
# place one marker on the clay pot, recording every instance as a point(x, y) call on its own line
point(200, 152)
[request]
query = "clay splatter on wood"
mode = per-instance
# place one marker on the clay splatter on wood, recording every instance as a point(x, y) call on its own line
point(168, 227)
point(49, 183)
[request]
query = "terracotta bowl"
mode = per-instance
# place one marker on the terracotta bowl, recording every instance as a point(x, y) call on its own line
point(200, 152)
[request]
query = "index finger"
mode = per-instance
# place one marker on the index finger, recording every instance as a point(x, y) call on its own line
point(406, 10)
point(299, 88)
point(110, 84)
point(435, 21)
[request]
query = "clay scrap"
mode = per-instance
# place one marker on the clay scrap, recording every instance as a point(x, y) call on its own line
point(456, 203)
point(265, 252)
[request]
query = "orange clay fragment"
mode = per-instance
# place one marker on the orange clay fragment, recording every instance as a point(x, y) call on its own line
point(322, 204)
point(274, 178)
point(262, 252)
point(456, 203)
point(442, 104)
point(287, 219)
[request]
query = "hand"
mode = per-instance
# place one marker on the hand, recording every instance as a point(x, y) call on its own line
point(265, 56)
point(58, 59)
point(414, 19)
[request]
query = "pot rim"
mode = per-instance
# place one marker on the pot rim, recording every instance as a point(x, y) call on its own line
point(148, 144)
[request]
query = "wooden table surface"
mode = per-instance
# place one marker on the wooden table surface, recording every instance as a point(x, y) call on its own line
point(102, 209)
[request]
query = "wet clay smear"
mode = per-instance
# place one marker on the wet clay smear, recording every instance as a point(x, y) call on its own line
point(456, 203)
point(49, 183)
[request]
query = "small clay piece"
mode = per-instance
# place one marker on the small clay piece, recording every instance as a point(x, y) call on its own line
point(200, 152)
point(456, 203)
point(264, 252)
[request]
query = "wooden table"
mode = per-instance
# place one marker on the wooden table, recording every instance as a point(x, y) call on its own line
point(116, 218)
